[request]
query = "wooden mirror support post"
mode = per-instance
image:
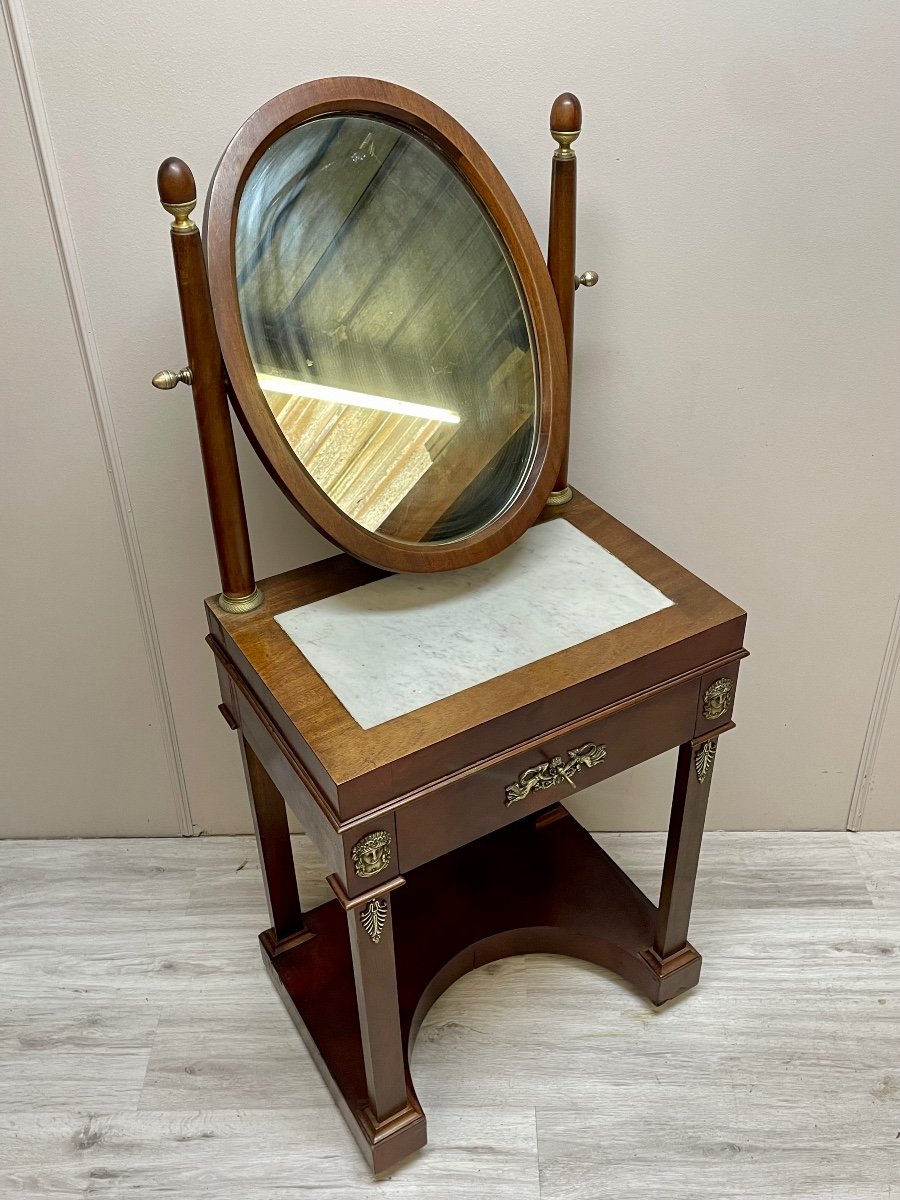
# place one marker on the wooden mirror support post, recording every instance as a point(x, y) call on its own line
point(205, 374)
point(565, 126)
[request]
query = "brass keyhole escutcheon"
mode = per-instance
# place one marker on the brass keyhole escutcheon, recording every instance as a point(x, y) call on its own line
point(556, 771)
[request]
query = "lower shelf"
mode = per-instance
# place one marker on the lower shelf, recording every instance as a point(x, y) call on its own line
point(541, 885)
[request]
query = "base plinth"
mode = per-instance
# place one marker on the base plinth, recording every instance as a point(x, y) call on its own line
point(540, 886)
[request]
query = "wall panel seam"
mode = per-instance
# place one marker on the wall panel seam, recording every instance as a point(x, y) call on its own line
point(886, 683)
point(60, 225)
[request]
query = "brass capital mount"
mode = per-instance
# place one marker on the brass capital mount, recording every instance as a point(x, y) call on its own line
point(371, 854)
point(717, 699)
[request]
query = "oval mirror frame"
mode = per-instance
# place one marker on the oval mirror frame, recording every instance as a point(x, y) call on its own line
point(374, 98)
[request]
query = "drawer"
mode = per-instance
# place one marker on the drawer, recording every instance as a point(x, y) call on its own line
point(507, 789)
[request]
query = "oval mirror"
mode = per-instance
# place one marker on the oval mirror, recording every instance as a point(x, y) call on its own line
point(386, 356)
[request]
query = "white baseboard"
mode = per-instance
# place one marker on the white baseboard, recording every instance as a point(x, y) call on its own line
point(886, 682)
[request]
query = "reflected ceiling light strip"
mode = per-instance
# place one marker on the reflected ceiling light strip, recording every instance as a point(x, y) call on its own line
point(334, 395)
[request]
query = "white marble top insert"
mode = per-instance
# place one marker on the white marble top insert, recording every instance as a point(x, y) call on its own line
point(392, 646)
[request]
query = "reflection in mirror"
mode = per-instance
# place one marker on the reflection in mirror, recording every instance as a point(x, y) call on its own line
point(386, 328)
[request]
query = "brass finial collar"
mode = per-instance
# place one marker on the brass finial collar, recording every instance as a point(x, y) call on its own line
point(182, 215)
point(565, 140)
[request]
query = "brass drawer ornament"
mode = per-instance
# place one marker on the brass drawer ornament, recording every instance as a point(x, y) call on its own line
point(556, 771)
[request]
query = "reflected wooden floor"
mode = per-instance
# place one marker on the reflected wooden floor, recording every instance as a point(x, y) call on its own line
point(143, 1050)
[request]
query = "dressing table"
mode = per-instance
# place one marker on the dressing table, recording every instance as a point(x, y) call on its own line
point(371, 300)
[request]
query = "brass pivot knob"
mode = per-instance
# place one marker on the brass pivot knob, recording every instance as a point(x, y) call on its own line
point(588, 279)
point(165, 380)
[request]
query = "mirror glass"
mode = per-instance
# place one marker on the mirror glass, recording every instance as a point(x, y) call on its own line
point(387, 328)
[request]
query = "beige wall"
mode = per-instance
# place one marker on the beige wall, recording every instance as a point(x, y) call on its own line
point(735, 387)
point(82, 751)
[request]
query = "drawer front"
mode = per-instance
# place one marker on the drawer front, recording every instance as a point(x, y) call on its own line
point(546, 774)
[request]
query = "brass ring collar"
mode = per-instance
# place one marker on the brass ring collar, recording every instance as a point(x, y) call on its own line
point(241, 604)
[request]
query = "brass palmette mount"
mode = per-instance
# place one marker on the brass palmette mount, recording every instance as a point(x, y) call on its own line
point(704, 757)
point(373, 918)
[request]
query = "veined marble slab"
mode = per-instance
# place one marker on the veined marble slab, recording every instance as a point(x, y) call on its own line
point(395, 645)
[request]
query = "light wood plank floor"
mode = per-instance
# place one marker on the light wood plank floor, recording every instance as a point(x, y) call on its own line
point(144, 1052)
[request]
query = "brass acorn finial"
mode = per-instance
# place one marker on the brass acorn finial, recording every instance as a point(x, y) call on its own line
point(177, 193)
point(565, 123)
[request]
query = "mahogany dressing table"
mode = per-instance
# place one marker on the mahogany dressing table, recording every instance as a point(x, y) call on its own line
point(371, 299)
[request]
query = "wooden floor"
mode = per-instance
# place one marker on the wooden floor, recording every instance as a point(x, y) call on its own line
point(144, 1052)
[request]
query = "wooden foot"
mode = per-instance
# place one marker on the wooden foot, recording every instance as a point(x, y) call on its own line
point(676, 974)
point(537, 886)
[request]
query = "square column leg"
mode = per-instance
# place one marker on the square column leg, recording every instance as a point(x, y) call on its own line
point(375, 977)
point(276, 857)
point(692, 782)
